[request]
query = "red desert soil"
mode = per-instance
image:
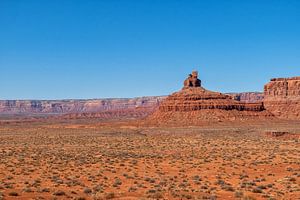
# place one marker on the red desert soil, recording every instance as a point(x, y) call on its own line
point(123, 160)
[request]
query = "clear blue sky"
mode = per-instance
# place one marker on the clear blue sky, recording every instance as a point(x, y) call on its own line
point(60, 49)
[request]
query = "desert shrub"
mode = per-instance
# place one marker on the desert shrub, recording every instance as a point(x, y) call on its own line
point(249, 198)
point(257, 190)
point(147, 179)
point(292, 179)
point(98, 188)
point(220, 182)
point(156, 195)
point(228, 188)
point(80, 198)
point(27, 190)
point(196, 178)
point(117, 182)
point(262, 187)
point(186, 196)
point(238, 194)
point(152, 180)
point(212, 197)
point(59, 193)
point(87, 191)
point(151, 191)
point(45, 190)
point(110, 195)
point(14, 194)
point(132, 189)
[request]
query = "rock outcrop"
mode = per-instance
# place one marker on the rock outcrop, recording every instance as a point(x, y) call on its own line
point(282, 97)
point(194, 104)
point(192, 80)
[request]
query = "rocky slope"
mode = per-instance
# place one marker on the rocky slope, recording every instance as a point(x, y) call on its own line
point(282, 97)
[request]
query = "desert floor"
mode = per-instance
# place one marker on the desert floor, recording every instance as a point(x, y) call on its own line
point(93, 160)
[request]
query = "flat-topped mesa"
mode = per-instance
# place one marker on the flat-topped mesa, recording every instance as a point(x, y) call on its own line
point(282, 88)
point(282, 97)
point(286, 79)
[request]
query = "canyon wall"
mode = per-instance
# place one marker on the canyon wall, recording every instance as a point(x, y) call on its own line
point(282, 97)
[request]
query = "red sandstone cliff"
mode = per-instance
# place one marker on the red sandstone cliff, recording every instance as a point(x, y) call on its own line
point(282, 97)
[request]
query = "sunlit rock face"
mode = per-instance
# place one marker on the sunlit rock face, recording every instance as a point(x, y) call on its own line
point(194, 104)
point(282, 97)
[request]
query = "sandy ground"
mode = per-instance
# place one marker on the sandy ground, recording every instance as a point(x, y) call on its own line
point(91, 160)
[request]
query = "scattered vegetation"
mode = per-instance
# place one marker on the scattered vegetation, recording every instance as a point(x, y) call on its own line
point(95, 162)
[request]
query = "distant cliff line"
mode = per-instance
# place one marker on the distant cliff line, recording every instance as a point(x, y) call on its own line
point(32, 107)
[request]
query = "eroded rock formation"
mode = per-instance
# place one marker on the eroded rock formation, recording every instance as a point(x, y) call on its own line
point(282, 97)
point(195, 103)
point(192, 81)
point(198, 98)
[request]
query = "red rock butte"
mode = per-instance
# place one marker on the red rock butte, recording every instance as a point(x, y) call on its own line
point(198, 98)
point(282, 97)
point(194, 103)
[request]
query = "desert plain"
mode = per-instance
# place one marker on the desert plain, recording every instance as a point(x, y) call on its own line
point(90, 159)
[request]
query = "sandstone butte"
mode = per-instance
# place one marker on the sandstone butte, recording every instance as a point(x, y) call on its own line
point(194, 104)
point(282, 97)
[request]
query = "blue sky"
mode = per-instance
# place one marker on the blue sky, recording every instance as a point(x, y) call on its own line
point(124, 48)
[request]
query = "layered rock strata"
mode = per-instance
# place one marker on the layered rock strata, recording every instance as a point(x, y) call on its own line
point(194, 104)
point(48, 107)
point(198, 98)
point(282, 97)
